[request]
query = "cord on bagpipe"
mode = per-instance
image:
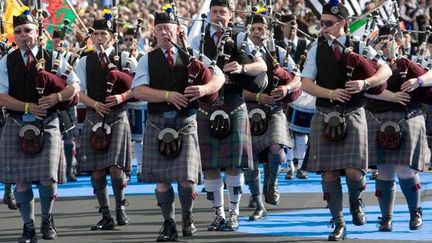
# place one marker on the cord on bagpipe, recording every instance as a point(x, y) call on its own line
point(46, 81)
point(133, 47)
point(359, 67)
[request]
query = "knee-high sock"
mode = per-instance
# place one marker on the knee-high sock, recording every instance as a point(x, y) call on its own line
point(25, 203)
point(355, 188)
point(166, 203)
point(274, 161)
point(118, 186)
point(47, 196)
point(100, 190)
point(300, 148)
point(138, 148)
point(215, 194)
point(69, 149)
point(411, 190)
point(386, 194)
point(333, 195)
point(252, 179)
point(187, 196)
point(234, 185)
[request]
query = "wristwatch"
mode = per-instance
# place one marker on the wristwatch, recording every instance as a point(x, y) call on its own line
point(420, 82)
point(366, 85)
point(59, 97)
point(243, 70)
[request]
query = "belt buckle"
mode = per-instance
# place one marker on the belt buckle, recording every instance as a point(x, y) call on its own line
point(170, 114)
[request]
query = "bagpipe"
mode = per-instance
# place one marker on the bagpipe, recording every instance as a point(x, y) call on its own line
point(117, 82)
point(259, 117)
point(31, 134)
point(134, 46)
point(49, 82)
point(358, 68)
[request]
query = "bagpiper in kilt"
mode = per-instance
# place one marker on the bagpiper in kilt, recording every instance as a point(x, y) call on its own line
point(69, 136)
point(106, 118)
point(268, 146)
point(397, 136)
point(338, 100)
point(171, 148)
point(231, 151)
point(297, 47)
point(40, 160)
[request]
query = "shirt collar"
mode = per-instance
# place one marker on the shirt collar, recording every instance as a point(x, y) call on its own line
point(173, 49)
point(107, 50)
point(34, 50)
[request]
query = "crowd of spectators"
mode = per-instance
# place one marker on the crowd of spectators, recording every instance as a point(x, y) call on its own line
point(415, 14)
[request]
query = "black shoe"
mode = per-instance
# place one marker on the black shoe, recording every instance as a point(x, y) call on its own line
point(217, 224)
point(272, 195)
point(48, 229)
point(259, 214)
point(358, 215)
point(385, 224)
point(260, 211)
point(301, 174)
point(29, 234)
point(416, 221)
point(168, 232)
point(252, 203)
point(232, 222)
point(289, 175)
point(121, 216)
point(188, 227)
point(339, 232)
point(9, 200)
point(106, 223)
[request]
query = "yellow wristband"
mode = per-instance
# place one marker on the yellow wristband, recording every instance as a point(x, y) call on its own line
point(167, 96)
point(258, 97)
point(393, 97)
point(26, 108)
point(330, 95)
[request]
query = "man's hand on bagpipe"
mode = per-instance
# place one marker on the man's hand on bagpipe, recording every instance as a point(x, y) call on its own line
point(178, 100)
point(114, 100)
point(49, 100)
point(279, 92)
point(233, 68)
point(38, 110)
point(340, 95)
point(102, 109)
point(195, 92)
point(410, 85)
point(402, 98)
point(354, 86)
point(267, 99)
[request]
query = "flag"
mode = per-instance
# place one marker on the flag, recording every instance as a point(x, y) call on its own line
point(195, 28)
point(58, 11)
point(13, 8)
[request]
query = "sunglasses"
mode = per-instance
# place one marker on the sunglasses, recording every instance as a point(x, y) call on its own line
point(328, 23)
point(128, 39)
point(19, 31)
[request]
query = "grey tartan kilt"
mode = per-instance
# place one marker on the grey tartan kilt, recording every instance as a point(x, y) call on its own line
point(161, 169)
point(277, 131)
point(350, 152)
point(119, 152)
point(427, 110)
point(47, 164)
point(232, 151)
point(413, 150)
